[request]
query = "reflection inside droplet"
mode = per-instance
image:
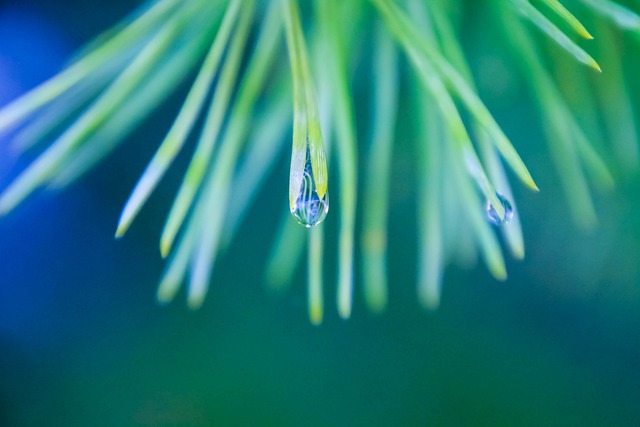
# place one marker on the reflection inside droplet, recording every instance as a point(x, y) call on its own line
point(309, 209)
point(492, 214)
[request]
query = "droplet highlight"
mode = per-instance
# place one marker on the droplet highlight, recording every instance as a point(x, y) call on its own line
point(309, 209)
point(492, 214)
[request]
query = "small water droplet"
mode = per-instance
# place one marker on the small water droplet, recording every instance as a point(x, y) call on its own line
point(492, 214)
point(309, 208)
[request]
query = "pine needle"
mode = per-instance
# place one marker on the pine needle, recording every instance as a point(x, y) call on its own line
point(183, 124)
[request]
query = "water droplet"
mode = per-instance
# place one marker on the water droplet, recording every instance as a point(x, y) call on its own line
point(309, 209)
point(492, 214)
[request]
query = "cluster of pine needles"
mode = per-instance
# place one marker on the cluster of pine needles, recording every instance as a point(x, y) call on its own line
point(245, 93)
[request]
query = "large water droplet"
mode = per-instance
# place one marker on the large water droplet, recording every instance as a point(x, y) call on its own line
point(309, 209)
point(492, 214)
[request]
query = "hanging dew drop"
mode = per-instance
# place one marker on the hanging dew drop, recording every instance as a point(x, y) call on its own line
point(492, 214)
point(309, 209)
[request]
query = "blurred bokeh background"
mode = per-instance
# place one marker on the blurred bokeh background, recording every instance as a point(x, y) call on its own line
point(83, 343)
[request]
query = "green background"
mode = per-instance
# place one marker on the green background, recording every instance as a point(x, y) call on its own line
point(83, 343)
